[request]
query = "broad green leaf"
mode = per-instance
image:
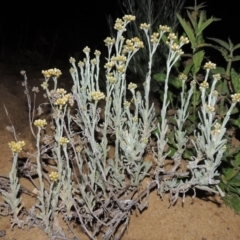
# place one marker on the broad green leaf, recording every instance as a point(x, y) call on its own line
point(235, 80)
point(188, 30)
point(218, 70)
point(221, 42)
point(197, 61)
point(188, 68)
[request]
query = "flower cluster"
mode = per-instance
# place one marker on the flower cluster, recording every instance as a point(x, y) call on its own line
point(172, 36)
point(182, 77)
point(217, 76)
point(184, 40)
point(51, 73)
point(132, 86)
point(210, 108)
point(61, 97)
point(132, 45)
point(155, 37)
point(97, 95)
point(204, 85)
point(109, 41)
point(111, 78)
point(41, 123)
point(209, 65)
point(16, 147)
point(86, 49)
point(164, 28)
point(119, 25)
point(235, 97)
point(53, 176)
point(63, 141)
point(144, 26)
point(129, 18)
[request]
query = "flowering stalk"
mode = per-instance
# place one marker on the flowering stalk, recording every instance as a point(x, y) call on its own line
point(12, 197)
point(44, 206)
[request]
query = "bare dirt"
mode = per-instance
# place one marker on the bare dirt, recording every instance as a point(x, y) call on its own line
point(204, 217)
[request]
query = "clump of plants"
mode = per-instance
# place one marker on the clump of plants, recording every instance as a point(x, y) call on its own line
point(75, 174)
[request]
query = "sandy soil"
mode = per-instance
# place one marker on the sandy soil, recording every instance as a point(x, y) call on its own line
point(203, 218)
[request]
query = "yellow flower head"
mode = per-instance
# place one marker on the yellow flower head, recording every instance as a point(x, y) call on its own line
point(144, 26)
point(53, 176)
point(63, 141)
point(164, 28)
point(51, 73)
point(209, 65)
point(132, 86)
point(16, 147)
point(129, 18)
point(86, 49)
point(183, 77)
point(41, 123)
point(97, 95)
point(109, 41)
point(235, 97)
point(203, 85)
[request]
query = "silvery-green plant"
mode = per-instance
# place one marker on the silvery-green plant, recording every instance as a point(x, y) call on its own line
point(153, 13)
point(11, 197)
point(99, 188)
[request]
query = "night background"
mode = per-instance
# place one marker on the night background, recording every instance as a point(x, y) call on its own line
point(51, 33)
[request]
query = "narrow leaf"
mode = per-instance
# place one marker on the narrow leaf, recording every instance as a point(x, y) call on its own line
point(188, 30)
point(205, 24)
point(236, 47)
point(236, 58)
point(221, 42)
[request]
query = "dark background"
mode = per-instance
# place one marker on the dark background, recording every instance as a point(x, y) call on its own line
point(38, 32)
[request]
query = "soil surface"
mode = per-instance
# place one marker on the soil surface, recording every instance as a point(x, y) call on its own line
point(202, 218)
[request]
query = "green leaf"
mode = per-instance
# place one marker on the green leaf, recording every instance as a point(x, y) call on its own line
point(188, 68)
point(223, 51)
point(219, 70)
point(221, 42)
point(230, 44)
point(193, 21)
point(206, 24)
point(235, 182)
point(174, 81)
point(202, 18)
point(197, 61)
point(188, 30)
point(236, 161)
point(236, 58)
point(229, 174)
point(232, 201)
point(236, 47)
point(236, 122)
point(187, 154)
point(235, 80)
